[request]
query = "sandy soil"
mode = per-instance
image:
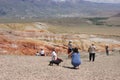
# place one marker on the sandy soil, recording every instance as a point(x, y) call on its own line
point(14, 67)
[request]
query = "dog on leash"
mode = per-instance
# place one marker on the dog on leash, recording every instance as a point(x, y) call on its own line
point(57, 62)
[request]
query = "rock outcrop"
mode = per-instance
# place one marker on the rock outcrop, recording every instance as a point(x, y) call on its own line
point(29, 41)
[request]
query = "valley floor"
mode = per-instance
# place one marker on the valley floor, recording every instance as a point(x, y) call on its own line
point(13, 67)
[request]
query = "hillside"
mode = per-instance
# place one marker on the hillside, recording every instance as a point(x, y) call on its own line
point(28, 38)
point(22, 9)
point(114, 20)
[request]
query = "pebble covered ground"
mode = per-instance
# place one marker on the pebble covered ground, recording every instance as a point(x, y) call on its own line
point(14, 67)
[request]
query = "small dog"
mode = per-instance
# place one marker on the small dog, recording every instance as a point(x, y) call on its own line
point(57, 62)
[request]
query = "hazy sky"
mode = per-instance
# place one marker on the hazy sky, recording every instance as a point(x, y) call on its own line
point(99, 1)
point(105, 1)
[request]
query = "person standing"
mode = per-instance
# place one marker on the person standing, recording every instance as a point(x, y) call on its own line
point(91, 51)
point(107, 50)
point(70, 47)
point(75, 61)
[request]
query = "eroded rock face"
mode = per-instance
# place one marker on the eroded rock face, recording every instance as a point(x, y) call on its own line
point(27, 46)
point(28, 42)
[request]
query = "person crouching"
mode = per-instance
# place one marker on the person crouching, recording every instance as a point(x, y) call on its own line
point(55, 59)
point(76, 61)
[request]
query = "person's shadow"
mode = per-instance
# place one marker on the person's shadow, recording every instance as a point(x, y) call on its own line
point(69, 67)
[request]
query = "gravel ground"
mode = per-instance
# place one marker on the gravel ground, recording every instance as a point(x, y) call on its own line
point(13, 67)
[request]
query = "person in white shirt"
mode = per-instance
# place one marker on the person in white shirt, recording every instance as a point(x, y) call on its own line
point(92, 52)
point(55, 59)
point(54, 55)
point(42, 53)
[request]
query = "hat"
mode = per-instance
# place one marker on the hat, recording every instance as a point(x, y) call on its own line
point(70, 41)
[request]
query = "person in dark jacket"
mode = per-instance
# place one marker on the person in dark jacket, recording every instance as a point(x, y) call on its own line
point(75, 61)
point(70, 47)
point(107, 50)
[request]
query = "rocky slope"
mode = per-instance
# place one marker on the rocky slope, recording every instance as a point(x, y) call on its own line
point(28, 38)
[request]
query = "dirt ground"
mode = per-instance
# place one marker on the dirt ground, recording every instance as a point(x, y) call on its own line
point(14, 67)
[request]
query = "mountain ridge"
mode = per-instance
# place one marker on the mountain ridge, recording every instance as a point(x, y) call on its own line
point(41, 9)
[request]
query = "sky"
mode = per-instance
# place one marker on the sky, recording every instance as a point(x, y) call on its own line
point(99, 1)
point(105, 1)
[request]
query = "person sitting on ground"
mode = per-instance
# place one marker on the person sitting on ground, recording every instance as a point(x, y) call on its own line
point(37, 53)
point(42, 53)
point(75, 61)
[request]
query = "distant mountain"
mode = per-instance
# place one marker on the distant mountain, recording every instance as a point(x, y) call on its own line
point(113, 20)
point(55, 8)
point(117, 15)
